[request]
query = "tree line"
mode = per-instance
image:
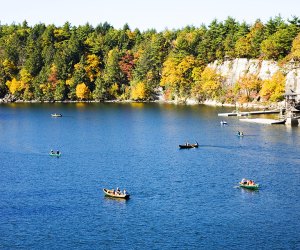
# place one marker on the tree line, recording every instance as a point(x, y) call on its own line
point(50, 63)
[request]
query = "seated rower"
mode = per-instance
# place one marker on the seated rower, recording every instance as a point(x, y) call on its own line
point(244, 181)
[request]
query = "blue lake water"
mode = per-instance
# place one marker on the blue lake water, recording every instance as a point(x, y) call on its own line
point(180, 199)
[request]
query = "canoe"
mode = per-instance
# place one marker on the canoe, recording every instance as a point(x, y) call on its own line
point(55, 154)
point(56, 115)
point(278, 122)
point(189, 145)
point(252, 187)
point(111, 193)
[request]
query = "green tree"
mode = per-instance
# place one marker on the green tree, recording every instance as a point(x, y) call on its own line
point(278, 45)
point(249, 46)
point(111, 74)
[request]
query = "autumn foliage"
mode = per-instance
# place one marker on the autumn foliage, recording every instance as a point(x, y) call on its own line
point(50, 63)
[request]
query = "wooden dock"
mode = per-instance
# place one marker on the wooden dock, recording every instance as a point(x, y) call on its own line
point(246, 113)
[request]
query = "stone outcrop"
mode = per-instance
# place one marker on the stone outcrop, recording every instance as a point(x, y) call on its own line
point(8, 98)
point(232, 70)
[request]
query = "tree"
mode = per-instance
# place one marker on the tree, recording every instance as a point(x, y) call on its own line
point(92, 67)
point(82, 91)
point(111, 74)
point(60, 92)
point(209, 85)
point(295, 52)
point(273, 89)
point(249, 45)
point(14, 86)
point(248, 87)
point(139, 91)
point(127, 65)
point(100, 89)
point(278, 45)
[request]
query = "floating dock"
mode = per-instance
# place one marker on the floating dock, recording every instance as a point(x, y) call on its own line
point(263, 121)
point(250, 113)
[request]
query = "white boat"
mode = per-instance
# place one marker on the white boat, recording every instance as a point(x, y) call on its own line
point(56, 115)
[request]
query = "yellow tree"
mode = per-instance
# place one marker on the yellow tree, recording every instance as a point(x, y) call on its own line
point(92, 67)
point(9, 67)
point(82, 91)
point(184, 71)
point(273, 89)
point(209, 85)
point(113, 90)
point(249, 87)
point(25, 84)
point(170, 77)
point(296, 48)
point(177, 75)
point(139, 91)
point(13, 86)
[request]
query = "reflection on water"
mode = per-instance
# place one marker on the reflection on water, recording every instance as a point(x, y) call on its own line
point(137, 105)
point(112, 199)
point(81, 104)
point(249, 191)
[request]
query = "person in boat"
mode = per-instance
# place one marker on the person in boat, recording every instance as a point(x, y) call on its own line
point(124, 192)
point(244, 181)
point(57, 152)
point(241, 133)
point(51, 151)
point(118, 191)
point(251, 183)
point(238, 133)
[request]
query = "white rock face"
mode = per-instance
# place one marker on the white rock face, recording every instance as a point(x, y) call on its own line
point(232, 70)
point(293, 81)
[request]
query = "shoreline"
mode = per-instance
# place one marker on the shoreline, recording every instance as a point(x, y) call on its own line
point(188, 102)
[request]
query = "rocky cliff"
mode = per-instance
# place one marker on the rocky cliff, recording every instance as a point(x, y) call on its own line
point(233, 69)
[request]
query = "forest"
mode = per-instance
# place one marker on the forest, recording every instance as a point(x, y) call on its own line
point(84, 63)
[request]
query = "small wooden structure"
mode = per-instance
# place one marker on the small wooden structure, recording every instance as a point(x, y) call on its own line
point(291, 112)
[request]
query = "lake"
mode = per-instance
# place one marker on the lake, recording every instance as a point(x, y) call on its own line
point(180, 199)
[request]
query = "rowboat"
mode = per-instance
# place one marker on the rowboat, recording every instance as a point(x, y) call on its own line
point(56, 115)
point(188, 145)
point(248, 184)
point(278, 122)
point(114, 194)
point(55, 154)
point(252, 187)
